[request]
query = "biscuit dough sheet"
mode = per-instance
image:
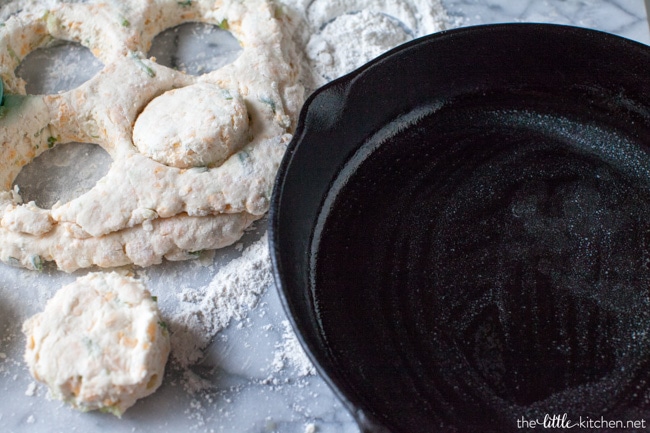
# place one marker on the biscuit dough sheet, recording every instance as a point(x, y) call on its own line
point(163, 196)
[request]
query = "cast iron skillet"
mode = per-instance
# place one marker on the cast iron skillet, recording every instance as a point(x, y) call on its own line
point(460, 231)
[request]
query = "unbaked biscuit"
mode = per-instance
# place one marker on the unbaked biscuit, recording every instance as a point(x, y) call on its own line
point(100, 343)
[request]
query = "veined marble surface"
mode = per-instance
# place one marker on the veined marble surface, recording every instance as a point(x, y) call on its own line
point(625, 18)
point(247, 391)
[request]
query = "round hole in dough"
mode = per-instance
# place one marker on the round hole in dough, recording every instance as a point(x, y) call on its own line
point(62, 173)
point(195, 48)
point(55, 68)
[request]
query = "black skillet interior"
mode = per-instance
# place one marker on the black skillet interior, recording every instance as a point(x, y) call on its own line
point(461, 231)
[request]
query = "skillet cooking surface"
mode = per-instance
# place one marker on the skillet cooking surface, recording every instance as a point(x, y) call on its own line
point(478, 231)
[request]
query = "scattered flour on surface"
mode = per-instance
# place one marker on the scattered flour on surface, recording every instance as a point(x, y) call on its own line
point(233, 291)
point(8, 363)
point(289, 352)
point(352, 40)
point(345, 34)
point(31, 389)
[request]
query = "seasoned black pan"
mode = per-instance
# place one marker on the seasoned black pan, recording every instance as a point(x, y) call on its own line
point(460, 232)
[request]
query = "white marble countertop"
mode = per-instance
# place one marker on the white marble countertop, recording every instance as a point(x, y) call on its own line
point(625, 18)
point(252, 386)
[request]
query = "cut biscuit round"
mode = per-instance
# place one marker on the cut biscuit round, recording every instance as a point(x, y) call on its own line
point(195, 126)
point(100, 343)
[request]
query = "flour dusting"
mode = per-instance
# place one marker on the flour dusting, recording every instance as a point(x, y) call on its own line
point(233, 291)
point(352, 40)
point(31, 389)
point(345, 34)
point(289, 352)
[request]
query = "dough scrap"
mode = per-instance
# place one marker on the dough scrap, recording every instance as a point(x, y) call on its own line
point(225, 182)
point(100, 343)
